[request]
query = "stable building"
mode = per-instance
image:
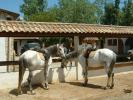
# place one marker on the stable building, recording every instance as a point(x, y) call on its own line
point(75, 30)
point(113, 37)
point(10, 45)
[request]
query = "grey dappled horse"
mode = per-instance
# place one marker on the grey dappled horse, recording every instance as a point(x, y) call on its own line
point(32, 60)
point(100, 57)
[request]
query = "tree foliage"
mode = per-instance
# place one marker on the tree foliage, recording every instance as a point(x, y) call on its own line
point(117, 12)
point(47, 16)
point(109, 16)
point(31, 7)
point(127, 13)
point(112, 13)
point(99, 6)
point(76, 11)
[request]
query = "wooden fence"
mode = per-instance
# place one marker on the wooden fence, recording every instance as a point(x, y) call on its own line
point(119, 64)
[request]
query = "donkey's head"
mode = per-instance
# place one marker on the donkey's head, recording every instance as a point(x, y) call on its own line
point(61, 50)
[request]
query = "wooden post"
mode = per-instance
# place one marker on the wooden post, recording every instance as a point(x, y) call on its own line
point(76, 44)
point(9, 51)
point(8, 46)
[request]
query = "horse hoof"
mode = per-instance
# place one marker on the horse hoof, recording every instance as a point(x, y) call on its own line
point(112, 86)
point(84, 84)
point(31, 92)
point(46, 88)
point(105, 88)
point(19, 93)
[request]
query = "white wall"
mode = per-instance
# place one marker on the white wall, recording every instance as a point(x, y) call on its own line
point(2, 52)
point(114, 48)
point(2, 49)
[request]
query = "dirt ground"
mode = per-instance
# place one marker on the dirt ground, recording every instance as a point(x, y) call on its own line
point(76, 91)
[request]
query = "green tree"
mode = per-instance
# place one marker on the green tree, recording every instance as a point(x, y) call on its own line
point(77, 11)
point(47, 16)
point(117, 12)
point(31, 7)
point(112, 13)
point(99, 5)
point(109, 15)
point(127, 13)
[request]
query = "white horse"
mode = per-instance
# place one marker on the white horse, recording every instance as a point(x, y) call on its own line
point(33, 60)
point(90, 58)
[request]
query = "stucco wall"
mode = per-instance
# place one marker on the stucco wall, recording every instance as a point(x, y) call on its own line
point(3, 53)
point(114, 48)
point(2, 49)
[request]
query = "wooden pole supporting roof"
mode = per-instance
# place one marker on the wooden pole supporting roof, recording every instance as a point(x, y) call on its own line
point(40, 29)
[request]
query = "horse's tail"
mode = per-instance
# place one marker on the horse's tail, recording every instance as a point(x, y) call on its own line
point(20, 68)
point(21, 73)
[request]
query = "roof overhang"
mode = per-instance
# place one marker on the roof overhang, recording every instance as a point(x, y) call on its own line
point(40, 29)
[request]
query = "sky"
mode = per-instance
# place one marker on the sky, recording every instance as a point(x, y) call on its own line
point(14, 5)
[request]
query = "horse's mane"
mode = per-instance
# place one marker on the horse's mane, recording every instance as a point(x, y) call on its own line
point(72, 54)
point(51, 47)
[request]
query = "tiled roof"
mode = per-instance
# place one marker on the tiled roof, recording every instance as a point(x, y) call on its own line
point(90, 39)
point(43, 28)
point(9, 12)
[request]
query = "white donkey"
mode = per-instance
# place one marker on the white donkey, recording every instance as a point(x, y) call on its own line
point(87, 57)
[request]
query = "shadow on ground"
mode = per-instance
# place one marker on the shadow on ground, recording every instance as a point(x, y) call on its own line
point(94, 86)
point(25, 89)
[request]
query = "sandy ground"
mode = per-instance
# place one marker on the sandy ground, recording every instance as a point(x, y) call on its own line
point(76, 91)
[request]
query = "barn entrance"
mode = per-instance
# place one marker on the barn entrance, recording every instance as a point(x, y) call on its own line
point(120, 46)
point(129, 43)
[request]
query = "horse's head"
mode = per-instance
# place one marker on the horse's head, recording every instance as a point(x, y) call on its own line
point(82, 48)
point(61, 50)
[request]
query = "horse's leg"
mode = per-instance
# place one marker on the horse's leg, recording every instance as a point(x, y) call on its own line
point(21, 74)
point(30, 82)
point(112, 74)
point(70, 63)
point(85, 72)
point(45, 83)
point(84, 63)
point(86, 77)
point(109, 79)
point(110, 82)
point(106, 66)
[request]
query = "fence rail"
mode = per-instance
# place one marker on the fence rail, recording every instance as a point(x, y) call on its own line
point(6, 63)
point(118, 64)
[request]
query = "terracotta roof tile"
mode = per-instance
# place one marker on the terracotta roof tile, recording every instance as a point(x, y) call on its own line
point(49, 27)
point(91, 39)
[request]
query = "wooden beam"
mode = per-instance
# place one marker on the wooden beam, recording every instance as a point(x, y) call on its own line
point(117, 65)
point(4, 63)
point(62, 34)
point(76, 44)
